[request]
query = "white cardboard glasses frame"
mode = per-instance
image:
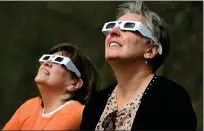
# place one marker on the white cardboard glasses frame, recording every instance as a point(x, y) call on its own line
point(138, 26)
point(64, 61)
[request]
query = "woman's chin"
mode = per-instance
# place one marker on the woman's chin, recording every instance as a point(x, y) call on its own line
point(40, 80)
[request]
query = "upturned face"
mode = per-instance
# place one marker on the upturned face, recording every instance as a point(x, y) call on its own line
point(125, 45)
point(53, 75)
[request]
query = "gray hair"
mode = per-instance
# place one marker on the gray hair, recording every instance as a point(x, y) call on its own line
point(154, 22)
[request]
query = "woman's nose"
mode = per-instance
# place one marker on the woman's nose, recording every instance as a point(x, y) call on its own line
point(115, 31)
point(48, 63)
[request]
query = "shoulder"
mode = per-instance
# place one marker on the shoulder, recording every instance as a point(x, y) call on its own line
point(28, 108)
point(170, 91)
point(31, 104)
point(166, 81)
point(71, 114)
point(67, 118)
point(178, 102)
point(35, 100)
point(166, 92)
point(170, 87)
point(76, 105)
point(72, 107)
point(72, 110)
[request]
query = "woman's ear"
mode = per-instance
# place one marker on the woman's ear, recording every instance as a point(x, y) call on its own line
point(151, 51)
point(79, 83)
point(76, 85)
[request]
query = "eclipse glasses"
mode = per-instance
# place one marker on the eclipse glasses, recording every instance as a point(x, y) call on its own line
point(61, 60)
point(131, 26)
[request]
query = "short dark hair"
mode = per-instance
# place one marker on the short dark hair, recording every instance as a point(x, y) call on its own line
point(89, 73)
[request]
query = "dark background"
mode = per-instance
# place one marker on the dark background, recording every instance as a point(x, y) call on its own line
point(29, 29)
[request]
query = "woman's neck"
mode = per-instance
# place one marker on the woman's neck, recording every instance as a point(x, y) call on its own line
point(128, 75)
point(132, 80)
point(52, 99)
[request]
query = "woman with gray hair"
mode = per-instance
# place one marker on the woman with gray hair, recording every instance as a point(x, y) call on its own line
point(135, 47)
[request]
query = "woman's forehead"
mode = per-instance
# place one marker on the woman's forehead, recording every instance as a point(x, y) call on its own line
point(132, 17)
point(62, 53)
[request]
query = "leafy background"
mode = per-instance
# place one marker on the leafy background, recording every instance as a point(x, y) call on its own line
point(29, 29)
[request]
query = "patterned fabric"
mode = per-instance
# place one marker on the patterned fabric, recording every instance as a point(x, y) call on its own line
point(123, 119)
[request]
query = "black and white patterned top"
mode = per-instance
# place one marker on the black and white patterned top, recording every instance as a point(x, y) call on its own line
point(125, 117)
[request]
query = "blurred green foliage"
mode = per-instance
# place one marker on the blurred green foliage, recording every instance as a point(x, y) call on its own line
point(29, 29)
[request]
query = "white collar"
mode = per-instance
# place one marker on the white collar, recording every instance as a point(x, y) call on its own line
point(57, 109)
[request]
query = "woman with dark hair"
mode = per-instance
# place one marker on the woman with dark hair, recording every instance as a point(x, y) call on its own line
point(66, 80)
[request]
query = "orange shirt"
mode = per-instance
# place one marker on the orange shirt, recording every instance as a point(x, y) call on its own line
point(29, 117)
